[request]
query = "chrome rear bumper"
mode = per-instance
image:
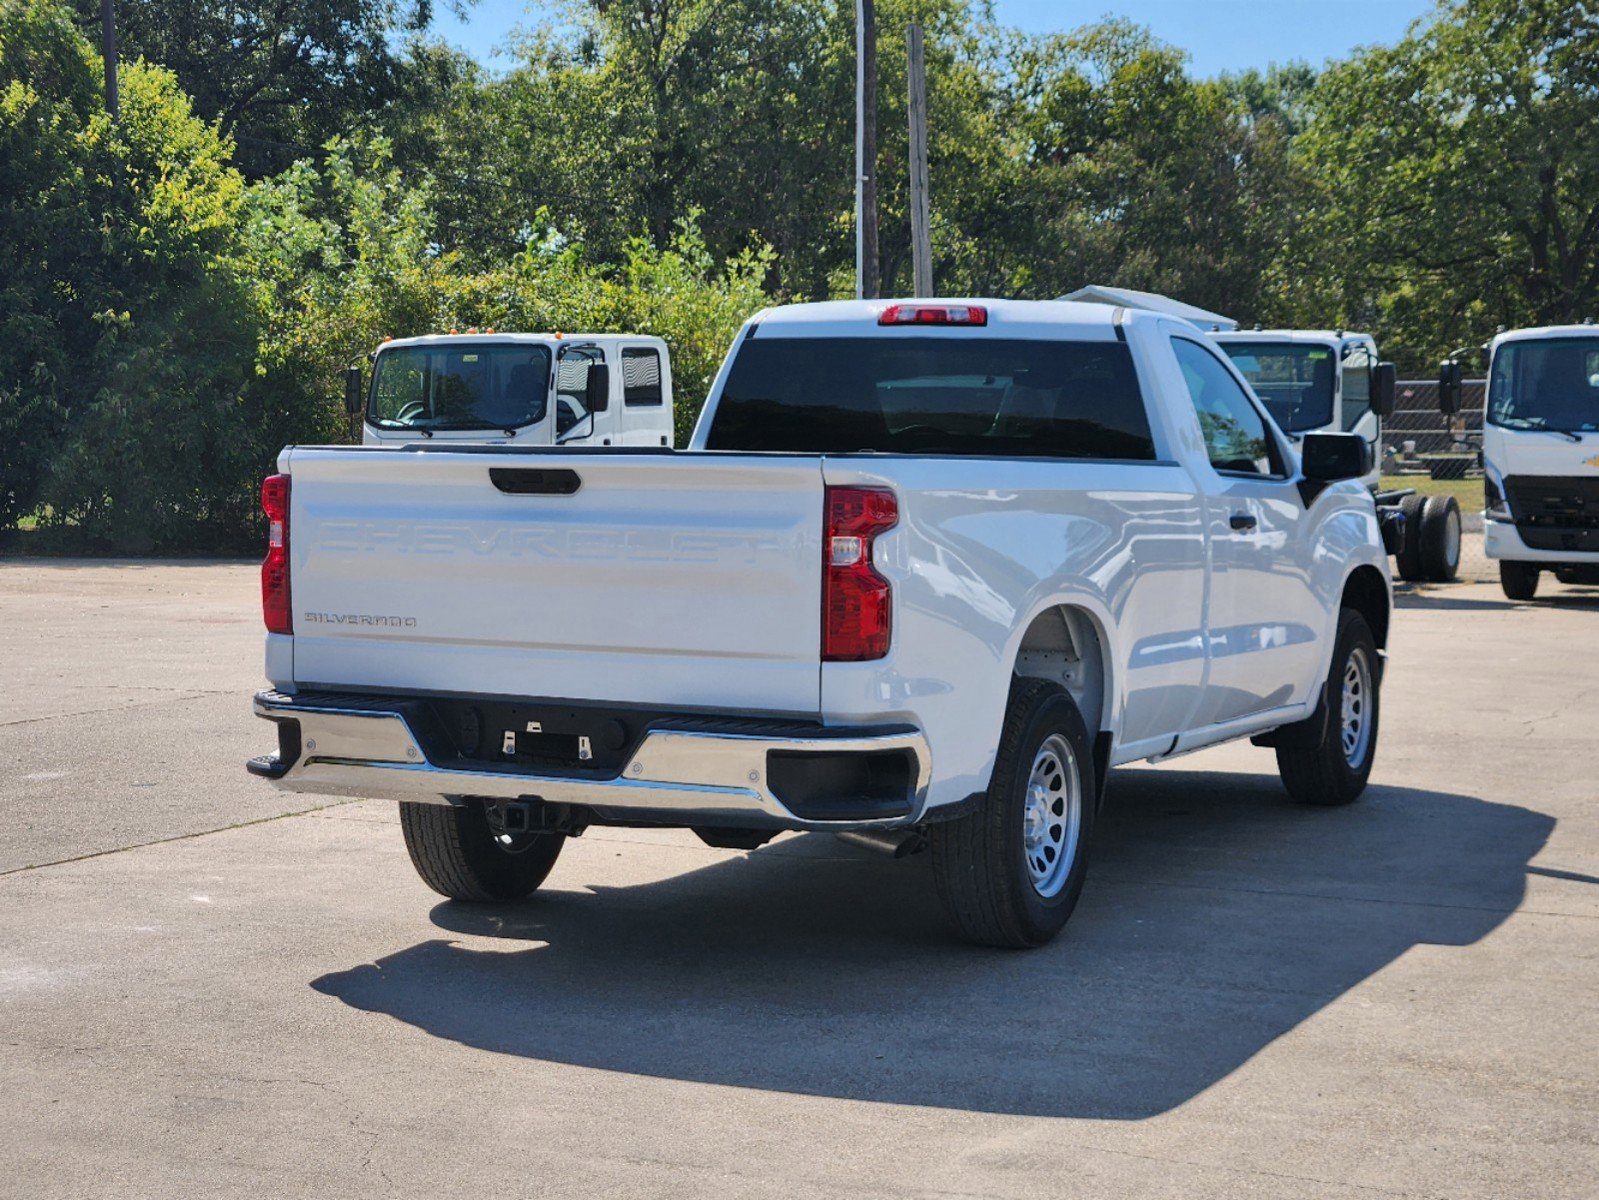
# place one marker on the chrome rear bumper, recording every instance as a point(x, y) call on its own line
point(674, 776)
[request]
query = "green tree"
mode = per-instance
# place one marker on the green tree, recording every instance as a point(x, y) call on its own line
point(1153, 180)
point(1457, 179)
point(278, 75)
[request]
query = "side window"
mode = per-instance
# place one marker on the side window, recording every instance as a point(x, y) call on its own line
point(571, 388)
point(1235, 432)
point(1357, 386)
point(641, 377)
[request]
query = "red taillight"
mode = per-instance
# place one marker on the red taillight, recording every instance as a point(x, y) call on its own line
point(934, 314)
point(857, 602)
point(275, 610)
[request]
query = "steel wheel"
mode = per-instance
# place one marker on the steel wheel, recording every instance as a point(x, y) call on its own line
point(1355, 725)
point(1052, 817)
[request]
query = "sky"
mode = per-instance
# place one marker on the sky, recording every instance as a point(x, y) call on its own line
point(1219, 35)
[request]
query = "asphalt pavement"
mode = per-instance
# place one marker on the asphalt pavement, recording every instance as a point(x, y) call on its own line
point(208, 988)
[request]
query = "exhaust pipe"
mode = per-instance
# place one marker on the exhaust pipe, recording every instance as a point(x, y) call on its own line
point(897, 843)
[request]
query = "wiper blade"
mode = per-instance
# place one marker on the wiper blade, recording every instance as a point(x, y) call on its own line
point(1527, 424)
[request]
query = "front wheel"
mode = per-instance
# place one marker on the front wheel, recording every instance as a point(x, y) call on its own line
point(1009, 873)
point(460, 855)
point(1518, 579)
point(1334, 769)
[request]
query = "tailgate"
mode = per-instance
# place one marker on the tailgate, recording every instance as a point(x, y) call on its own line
point(687, 579)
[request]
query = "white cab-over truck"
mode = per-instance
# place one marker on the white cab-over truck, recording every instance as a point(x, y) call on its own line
point(535, 389)
point(1540, 454)
point(927, 570)
point(1330, 381)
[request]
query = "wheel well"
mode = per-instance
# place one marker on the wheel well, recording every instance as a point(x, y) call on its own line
point(1063, 645)
point(1365, 593)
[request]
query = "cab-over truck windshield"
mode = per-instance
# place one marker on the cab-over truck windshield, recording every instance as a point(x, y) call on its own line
point(1294, 381)
point(460, 387)
point(1546, 383)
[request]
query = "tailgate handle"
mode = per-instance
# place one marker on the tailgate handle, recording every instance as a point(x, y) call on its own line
point(535, 481)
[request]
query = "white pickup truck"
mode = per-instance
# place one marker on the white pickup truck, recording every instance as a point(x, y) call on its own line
point(926, 572)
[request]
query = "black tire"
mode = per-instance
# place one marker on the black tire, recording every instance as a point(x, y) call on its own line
point(1408, 559)
point(1440, 538)
point(980, 860)
point(1518, 579)
point(1323, 772)
point(457, 854)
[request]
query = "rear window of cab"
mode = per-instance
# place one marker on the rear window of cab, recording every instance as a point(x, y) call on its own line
point(945, 395)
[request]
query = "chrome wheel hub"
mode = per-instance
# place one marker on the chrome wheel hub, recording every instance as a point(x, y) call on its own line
point(1052, 816)
point(1355, 717)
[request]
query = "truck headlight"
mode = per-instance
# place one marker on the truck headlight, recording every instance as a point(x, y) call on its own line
point(1498, 508)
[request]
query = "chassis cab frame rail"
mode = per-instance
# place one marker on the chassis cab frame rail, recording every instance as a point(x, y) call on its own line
point(681, 772)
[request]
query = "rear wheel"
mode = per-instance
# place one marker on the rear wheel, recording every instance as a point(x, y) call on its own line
point(1408, 557)
point(458, 854)
point(1334, 769)
point(1439, 547)
point(1518, 579)
point(1010, 872)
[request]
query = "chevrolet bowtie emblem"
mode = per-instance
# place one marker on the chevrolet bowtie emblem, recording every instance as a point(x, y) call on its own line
point(1591, 462)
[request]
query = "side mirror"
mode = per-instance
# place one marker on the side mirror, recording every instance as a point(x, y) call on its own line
point(1484, 355)
point(354, 391)
point(1383, 376)
point(1450, 377)
point(1331, 457)
point(583, 427)
point(597, 397)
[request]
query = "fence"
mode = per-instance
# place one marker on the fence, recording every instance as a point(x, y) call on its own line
point(1434, 454)
point(1419, 440)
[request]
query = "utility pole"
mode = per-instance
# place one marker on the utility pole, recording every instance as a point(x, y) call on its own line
point(921, 234)
point(108, 51)
point(866, 258)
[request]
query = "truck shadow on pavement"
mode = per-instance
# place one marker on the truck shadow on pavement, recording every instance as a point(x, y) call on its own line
point(1216, 918)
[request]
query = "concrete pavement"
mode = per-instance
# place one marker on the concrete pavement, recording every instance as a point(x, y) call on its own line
point(1399, 998)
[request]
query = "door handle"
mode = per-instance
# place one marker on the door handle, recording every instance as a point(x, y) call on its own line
point(533, 481)
point(1241, 521)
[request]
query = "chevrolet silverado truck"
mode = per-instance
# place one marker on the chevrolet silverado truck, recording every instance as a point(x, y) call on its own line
point(926, 572)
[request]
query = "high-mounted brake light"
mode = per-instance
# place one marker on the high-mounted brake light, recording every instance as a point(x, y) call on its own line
point(275, 608)
point(934, 314)
point(857, 602)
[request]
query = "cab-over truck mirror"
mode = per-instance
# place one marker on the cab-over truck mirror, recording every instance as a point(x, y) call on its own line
point(354, 397)
point(1383, 382)
point(1450, 380)
point(597, 395)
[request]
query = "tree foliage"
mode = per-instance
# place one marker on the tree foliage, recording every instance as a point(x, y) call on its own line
point(290, 182)
point(1456, 178)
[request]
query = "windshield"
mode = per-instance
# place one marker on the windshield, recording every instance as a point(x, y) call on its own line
point(933, 395)
point(460, 387)
point(1547, 383)
point(1295, 382)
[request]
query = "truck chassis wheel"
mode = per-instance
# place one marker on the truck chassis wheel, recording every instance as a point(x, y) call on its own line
point(1334, 769)
point(1439, 546)
point(1518, 579)
point(459, 855)
point(1009, 873)
point(1408, 559)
